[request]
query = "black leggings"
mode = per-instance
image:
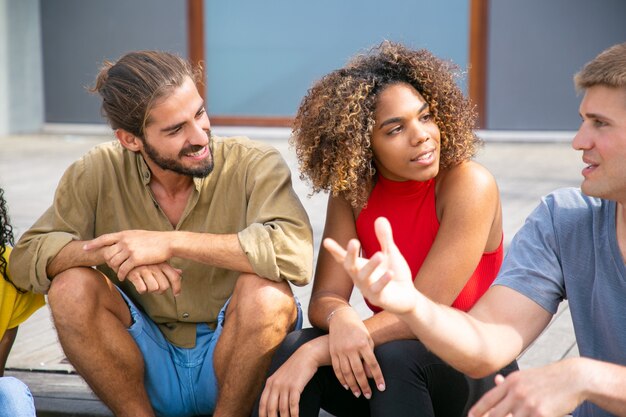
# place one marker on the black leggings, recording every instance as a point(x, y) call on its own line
point(418, 383)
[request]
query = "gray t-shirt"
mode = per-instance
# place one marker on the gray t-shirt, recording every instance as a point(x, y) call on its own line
point(567, 249)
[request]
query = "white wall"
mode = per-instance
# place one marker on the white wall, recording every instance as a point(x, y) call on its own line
point(25, 66)
point(21, 73)
point(4, 70)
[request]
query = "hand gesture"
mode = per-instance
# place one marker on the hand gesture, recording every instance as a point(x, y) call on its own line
point(386, 278)
point(547, 391)
point(124, 251)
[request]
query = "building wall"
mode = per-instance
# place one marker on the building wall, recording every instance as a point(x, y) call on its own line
point(263, 56)
point(78, 36)
point(535, 48)
point(21, 100)
point(4, 69)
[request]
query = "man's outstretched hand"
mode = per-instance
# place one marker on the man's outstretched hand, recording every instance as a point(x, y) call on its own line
point(385, 279)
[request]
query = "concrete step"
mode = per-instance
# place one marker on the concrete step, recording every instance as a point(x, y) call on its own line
point(66, 395)
point(61, 394)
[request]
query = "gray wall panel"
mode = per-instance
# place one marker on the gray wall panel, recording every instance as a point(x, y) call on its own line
point(4, 69)
point(78, 35)
point(21, 95)
point(536, 46)
point(26, 110)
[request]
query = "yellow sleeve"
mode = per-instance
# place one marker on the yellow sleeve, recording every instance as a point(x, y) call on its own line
point(16, 307)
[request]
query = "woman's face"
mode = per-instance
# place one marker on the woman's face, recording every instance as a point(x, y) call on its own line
point(406, 139)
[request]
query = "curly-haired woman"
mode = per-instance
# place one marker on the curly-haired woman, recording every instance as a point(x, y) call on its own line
point(390, 134)
point(15, 307)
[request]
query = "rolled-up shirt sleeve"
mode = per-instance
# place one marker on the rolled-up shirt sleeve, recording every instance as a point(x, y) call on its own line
point(69, 218)
point(278, 240)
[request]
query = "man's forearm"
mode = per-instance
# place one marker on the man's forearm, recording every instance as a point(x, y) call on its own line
point(386, 327)
point(223, 251)
point(472, 346)
point(605, 384)
point(383, 327)
point(73, 255)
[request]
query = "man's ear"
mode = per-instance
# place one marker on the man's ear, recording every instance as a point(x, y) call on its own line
point(128, 140)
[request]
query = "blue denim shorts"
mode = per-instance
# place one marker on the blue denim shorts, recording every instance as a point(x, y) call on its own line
point(15, 398)
point(180, 381)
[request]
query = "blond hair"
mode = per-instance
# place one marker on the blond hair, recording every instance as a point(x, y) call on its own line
point(608, 69)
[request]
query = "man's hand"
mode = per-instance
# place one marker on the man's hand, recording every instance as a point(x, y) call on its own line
point(386, 278)
point(124, 251)
point(549, 391)
point(156, 278)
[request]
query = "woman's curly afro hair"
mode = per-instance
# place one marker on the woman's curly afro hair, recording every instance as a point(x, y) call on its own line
point(333, 127)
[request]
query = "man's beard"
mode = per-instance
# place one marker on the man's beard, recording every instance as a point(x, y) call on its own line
point(176, 166)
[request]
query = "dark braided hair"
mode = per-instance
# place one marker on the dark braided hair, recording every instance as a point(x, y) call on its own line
point(6, 235)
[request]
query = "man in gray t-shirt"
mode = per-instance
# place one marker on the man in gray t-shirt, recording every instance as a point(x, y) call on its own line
point(568, 248)
point(572, 246)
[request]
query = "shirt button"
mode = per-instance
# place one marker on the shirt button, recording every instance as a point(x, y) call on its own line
point(185, 315)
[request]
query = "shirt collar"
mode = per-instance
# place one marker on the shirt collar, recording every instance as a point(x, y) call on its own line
point(144, 171)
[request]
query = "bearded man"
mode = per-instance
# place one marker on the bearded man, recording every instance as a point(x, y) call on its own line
point(166, 254)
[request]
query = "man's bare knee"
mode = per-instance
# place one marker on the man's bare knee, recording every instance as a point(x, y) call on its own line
point(260, 299)
point(73, 285)
point(79, 293)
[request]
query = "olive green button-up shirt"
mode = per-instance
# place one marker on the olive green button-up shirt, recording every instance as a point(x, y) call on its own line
point(248, 193)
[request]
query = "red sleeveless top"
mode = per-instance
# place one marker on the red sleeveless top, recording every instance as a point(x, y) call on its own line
point(410, 208)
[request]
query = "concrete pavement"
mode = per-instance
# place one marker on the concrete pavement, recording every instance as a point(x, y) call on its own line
point(31, 165)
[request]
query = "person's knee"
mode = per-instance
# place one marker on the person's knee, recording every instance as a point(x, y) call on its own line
point(260, 300)
point(75, 294)
point(10, 386)
point(397, 351)
point(293, 341)
point(71, 285)
point(404, 356)
point(15, 395)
